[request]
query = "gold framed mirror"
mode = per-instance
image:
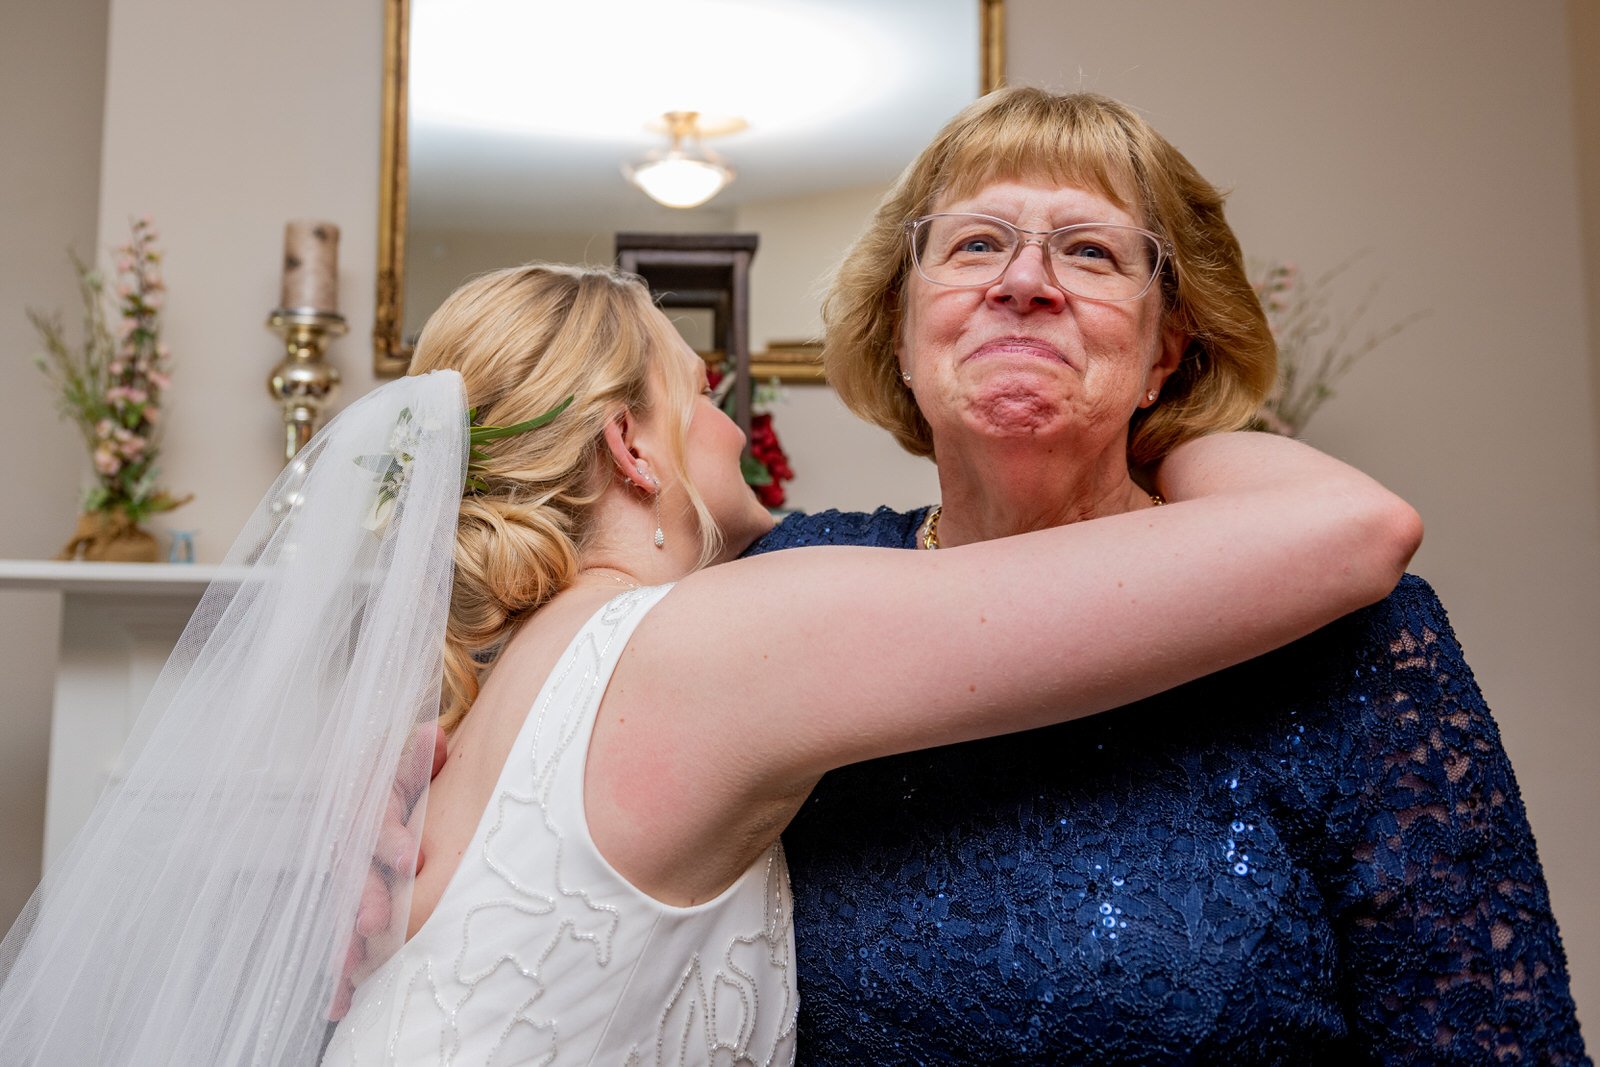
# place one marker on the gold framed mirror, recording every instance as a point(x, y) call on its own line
point(399, 206)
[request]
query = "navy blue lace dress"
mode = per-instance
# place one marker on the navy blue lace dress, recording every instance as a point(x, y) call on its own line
point(1319, 856)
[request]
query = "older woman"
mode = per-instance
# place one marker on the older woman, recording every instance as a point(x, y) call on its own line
point(1318, 856)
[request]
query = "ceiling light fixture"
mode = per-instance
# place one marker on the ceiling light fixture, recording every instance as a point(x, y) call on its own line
point(686, 174)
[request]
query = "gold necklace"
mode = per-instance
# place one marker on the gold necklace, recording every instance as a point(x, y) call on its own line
point(928, 532)
point(614, 574)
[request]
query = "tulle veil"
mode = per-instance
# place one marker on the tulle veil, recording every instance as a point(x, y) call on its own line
point(201, 915)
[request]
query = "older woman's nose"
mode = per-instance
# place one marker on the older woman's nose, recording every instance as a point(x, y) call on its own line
point(1028, 283)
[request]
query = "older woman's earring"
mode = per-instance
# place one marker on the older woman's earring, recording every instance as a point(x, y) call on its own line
point(1151, 396)
point(905, 376)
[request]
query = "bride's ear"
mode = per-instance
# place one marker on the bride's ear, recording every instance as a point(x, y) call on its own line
point(620, 442)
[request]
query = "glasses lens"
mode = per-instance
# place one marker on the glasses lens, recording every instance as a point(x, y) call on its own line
point(963, 249)
point(1101, 261)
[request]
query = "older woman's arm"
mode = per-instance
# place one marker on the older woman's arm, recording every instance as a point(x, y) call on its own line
point(1450, 950)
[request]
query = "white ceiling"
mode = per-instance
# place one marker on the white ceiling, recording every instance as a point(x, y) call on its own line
point(523, 111)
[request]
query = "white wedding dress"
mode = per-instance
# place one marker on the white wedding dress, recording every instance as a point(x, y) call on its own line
point(540, 953)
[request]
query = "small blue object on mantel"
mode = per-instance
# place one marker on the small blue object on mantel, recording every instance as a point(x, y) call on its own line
point(182, 550)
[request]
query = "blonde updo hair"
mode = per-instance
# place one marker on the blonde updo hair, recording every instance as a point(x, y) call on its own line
point(523, 340)
point(1086, 140)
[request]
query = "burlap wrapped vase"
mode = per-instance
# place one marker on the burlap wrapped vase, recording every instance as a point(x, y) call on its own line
point(110, 537)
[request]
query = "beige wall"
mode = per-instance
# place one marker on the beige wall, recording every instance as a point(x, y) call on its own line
point(1418, 135)
point(1584, 30)
point(1368, 125)
point(224, 120)
point(52, 87)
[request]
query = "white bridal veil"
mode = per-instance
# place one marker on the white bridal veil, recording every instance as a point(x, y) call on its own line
point(201, 916)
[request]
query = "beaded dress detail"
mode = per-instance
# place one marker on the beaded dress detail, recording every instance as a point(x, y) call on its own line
point(540, 953)
point(1318, 856)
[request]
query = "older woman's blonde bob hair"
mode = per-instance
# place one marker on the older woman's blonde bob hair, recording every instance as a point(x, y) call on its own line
point(1085, 140)
point(523, 340)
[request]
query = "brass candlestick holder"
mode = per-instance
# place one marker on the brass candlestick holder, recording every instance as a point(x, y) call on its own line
point(302, 383)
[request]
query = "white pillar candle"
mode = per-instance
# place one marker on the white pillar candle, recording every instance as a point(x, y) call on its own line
point(311, 265)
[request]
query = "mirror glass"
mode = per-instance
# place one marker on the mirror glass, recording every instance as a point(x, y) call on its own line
point(521, 117)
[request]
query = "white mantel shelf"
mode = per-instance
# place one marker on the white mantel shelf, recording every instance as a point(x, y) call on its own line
point(119, 622)
point(133, 579)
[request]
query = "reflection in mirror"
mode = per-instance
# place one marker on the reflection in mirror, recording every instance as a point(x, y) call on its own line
point(511, 137)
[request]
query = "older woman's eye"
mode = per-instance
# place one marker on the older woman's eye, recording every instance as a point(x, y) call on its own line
point(984, 243)
point(1088, 256)
point(1088, 250)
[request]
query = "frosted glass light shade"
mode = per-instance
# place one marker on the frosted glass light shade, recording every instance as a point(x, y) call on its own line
point(679, 180)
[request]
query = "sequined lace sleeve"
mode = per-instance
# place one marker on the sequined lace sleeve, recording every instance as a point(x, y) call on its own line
point(876, 529)
point(1450, 950)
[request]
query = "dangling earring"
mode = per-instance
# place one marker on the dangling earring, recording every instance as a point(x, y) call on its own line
point(660, 538)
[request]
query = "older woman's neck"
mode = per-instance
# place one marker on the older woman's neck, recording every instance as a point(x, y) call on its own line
point(999, 497)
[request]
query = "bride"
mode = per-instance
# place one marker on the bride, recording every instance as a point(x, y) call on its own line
point(629, 730)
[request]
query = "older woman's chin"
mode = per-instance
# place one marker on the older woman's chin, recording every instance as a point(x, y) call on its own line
point(1047, 420)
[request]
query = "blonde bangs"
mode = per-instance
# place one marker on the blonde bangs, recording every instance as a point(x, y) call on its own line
point(1048, 146)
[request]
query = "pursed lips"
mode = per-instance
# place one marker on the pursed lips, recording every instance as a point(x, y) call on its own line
point(1020, 346)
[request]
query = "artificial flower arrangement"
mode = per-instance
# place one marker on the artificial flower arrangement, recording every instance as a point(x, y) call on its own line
point(111, 386)
point(1314, 351)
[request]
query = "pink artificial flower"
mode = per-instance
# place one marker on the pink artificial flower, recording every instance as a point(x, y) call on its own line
point(115, 368)
point(136, 395)
point(160, 380)
point(106, 461)
point(103, 428)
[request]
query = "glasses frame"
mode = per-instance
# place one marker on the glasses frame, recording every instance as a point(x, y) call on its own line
point(1165, 253)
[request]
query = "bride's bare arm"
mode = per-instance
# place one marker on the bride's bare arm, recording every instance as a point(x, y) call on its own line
point(817, 658)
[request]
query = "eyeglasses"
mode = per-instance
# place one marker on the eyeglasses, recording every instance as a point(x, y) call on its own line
point(1096, 260)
